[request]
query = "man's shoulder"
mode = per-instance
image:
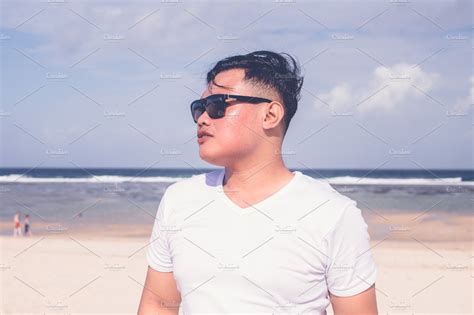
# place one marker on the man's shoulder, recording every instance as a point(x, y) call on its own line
point(193, 186)
point(322, 189)
point(326, 204)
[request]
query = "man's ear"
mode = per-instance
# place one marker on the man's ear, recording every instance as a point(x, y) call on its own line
point(274, 113)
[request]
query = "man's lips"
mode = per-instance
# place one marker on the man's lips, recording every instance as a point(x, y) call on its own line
point(203, 139)
point(204, 133)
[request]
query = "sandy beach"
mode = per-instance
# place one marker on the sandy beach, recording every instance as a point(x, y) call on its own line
point(77, 273)
point(58, 274)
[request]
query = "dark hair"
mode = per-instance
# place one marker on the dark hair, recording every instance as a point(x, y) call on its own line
point(271, 70)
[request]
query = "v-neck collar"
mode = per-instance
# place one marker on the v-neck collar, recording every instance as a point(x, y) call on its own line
point(253, 207)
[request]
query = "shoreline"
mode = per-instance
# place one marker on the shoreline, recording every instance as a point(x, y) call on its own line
point(402, 227)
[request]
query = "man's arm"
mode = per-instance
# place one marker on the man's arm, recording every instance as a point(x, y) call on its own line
point(363, 303)
point(160, 294)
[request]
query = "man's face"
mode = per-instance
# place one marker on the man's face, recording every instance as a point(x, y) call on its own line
point(236, 135)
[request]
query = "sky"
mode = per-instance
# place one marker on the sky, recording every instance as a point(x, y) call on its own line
point(388, 84)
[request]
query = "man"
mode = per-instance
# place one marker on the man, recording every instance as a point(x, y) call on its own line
point(253, 237)
point(27, 226)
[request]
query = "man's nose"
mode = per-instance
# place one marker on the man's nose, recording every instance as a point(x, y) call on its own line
point(203, 119)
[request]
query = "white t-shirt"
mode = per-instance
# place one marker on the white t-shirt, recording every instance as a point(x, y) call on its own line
point(281, 255)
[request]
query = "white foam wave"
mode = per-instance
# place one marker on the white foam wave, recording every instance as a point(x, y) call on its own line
point(350, 180)
point(342, 180)
point(18, 178)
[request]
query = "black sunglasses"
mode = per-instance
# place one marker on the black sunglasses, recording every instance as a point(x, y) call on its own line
point(216, 104)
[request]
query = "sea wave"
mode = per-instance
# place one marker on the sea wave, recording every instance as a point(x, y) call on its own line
point(17, 178)
point(340, 180)
point(350, 180)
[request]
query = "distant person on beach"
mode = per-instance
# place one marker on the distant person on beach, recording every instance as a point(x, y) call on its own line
point(253, 236)
point(17, 224)
point(27, 225)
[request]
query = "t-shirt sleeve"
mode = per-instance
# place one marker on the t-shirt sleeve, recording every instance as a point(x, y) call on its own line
point(158, 254)
point(351, 268)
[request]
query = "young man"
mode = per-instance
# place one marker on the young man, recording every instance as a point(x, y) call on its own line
point(254, 237)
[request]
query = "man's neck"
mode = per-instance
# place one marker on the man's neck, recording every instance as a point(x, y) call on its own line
point(250, 186)
point(257, 176)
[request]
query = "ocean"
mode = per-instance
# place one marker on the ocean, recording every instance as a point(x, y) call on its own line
point(125, 200)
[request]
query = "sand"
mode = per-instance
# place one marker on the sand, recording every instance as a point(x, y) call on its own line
point(72, 275)
point(78, 274)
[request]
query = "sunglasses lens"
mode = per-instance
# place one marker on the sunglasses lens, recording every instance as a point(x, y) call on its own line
point(197, 109)
point(216, 107)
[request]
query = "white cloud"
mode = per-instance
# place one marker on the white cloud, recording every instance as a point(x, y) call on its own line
point(462, 105)
point(388, 88)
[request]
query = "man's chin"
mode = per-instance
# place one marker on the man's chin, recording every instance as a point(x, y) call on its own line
point(211, 157)
point(207, 155)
